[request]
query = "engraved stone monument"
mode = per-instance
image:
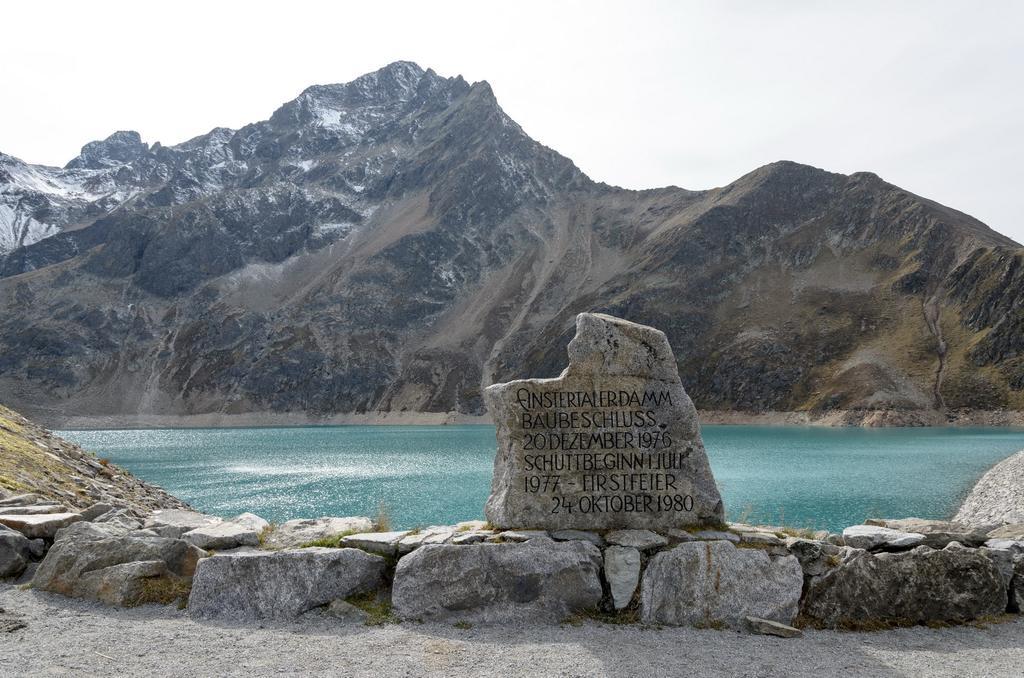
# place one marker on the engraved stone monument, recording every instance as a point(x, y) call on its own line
point(611, 443)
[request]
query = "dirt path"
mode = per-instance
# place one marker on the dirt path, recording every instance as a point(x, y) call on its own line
point(74, 638)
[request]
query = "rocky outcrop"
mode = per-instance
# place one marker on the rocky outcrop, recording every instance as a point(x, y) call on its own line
point(440, 249)
point(38, 468)
point(281, 584)
point(716, 583)
point(998, 497)
point(870, 590)
point(535, 580)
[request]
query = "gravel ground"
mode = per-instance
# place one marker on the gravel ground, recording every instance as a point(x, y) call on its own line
point(66, 637)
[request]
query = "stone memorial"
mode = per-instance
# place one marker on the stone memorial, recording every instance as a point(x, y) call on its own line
point(612, 443)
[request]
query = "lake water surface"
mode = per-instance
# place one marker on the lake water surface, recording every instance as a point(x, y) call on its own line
point(426, 475)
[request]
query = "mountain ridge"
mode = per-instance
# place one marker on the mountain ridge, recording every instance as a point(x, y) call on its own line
point(395, 243)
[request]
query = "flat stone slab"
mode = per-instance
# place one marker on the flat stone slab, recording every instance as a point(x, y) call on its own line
point(226, 535)
point(937, 533)
point(537, 580)
point(767, 627)
point(33, 510)
point(578, 535)
point(383, 543)
point(873, 536)
point(1011, 531)
point(611, 443)
point(42, 526)
point(639, 539)
point(173, 523)
point(281, 584)
point(715, 583)
point(295, 533)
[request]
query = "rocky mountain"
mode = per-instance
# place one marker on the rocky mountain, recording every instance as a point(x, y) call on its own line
point(395, 243)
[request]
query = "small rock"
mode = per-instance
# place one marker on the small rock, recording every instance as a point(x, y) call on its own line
point(622, 572)
point(96, 510)
point(470, 537)
point(638, 539)
point(383, 543)
point(519, 535)
point(43, 526)
point(578, 535)
point(251, 521)
point(767, 627)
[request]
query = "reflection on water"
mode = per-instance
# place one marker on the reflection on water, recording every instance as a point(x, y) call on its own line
point(423, 475)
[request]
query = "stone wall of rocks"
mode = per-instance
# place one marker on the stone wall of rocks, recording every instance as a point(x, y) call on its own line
point(765, 579)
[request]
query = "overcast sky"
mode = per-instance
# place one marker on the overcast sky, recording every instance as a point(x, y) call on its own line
point(641, 94)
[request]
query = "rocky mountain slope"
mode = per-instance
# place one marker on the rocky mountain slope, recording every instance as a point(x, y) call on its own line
point(44, 471)
point(396, 243)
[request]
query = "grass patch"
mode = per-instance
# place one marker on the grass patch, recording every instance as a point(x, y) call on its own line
point(265, 534)
point(715, 624)
point(332, 541)
point(378, 612)
point(463, 625)
point(382, 523)
point(163, 590)
point(627, 616)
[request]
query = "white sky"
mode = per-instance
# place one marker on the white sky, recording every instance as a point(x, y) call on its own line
point(929, 95)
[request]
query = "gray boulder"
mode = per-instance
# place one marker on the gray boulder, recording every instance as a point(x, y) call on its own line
point(90, 560)
point(712, 583)
point(950, 585)
point(15, 552)
point(43, 526)
point(622, 572)
point(536, 580)
point(281, 584)
point(294, 533)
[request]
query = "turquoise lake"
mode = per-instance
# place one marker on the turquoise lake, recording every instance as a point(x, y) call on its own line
point(425, 475)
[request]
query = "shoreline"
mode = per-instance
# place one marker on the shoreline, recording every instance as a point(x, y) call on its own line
point(834, 419)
